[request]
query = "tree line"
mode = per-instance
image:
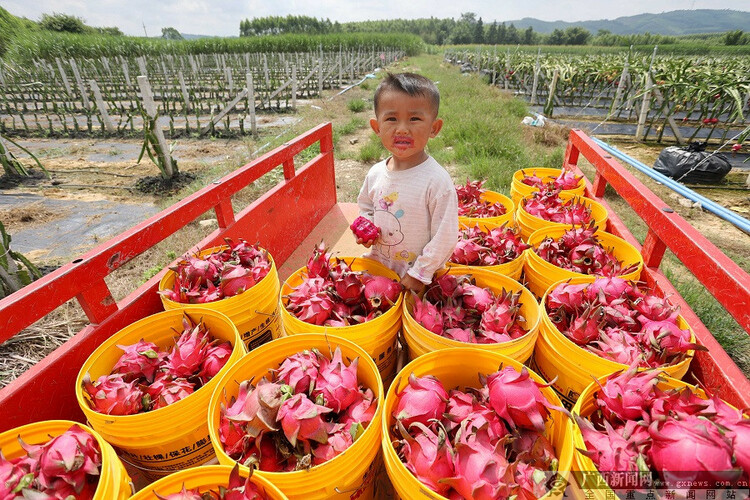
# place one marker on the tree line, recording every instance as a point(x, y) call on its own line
point(467, 29)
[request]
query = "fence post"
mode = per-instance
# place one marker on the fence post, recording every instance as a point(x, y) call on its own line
point(185, 95)
point(494, 64)
point(549, 107)
point(102, 107)
point(2, 77)
point(294, 88)
point(537, 70)
point(126, 71)
point(645, 103)
point(64, 77)
point(251, 102)
point(507, 70)
point(230, 82)
point(620, 86)
point(265, 70)
point(141, 66)
point(81, 87)
point(320, 78)
point(150, 106)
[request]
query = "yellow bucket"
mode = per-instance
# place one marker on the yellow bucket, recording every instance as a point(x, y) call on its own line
point(171, 438)
point(204, 478)
point(422, 341)
point(254, 312)
point(540, 274)
point(114, 482)
point(518, 189)
point(572, 367)
point(529, 223)
point(378, 336)
point(493, 197)
point(348, 475)
point(512, 269)
point(592, 484)
point(460, 367)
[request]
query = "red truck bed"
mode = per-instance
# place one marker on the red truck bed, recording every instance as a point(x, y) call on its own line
point(288, 220)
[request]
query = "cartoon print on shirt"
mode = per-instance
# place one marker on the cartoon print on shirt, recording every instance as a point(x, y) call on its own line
point(391, 234)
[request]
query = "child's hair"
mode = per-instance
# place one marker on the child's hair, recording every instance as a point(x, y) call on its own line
point(411, 84)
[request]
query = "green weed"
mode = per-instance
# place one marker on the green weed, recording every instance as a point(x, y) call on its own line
point(356, 105)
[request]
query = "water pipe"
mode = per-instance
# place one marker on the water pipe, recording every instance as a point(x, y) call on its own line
point(742, 223)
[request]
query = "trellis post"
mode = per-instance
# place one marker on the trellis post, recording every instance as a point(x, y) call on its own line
point(102, 107)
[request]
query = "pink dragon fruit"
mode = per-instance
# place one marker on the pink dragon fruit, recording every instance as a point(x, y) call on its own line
point(530, 479)
point(241, 488)
point(460, 405)
point(461, 335)
point(318, 263)
point(257, 408)
point(691, 449)
point(362, 410)
point(265, 455)
point(236, 279)
point(502, 314)
point(316, 309)
point(467, 252)
point(300, 371)
point(568, 296)
point(607, 290)
point(183, 494)
point(585, 328)
point(349, 288)
point(111, 395)
point(422, 400)
point(477, 298)
point(337, 443)
point(653, 308)
point(336, 382)
point(217, 355)
point(71, 456)
point(167, 390)
point(427, 315)
point(381, 292)
point(619, 346)
point(627, 395)
point(364, 229)
point(668, 337)
point(482, 471)
point(189, 351)
point(11, 477)
point(613, 451)
point(302, 419)
point(517, 399)
point(428, 456)
point(140, 360)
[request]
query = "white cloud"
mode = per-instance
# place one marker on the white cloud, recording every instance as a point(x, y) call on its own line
point(222, 18)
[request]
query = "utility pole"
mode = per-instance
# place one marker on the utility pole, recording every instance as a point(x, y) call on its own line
point(144, 29)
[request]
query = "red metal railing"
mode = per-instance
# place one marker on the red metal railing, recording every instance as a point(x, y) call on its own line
point(280, 219)
point(666, 229)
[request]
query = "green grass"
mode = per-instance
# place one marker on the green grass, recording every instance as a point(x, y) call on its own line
point(372, 150)
point(348, 128)
point(356, 105)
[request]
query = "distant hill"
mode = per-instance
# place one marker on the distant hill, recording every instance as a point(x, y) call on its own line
point(677, 22)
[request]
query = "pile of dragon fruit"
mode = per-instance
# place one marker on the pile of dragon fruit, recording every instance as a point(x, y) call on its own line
point(237, 489)
point(681, 438)
point(146, 378)
point(66, 466)
point(565, 181)
point(332, 294)
point(311, 410)
point(580, 250)
point(454, 307)
point(616, 320)
point(496, 246)
point(470, 203)
point(224, 273)
point(485, 443)
point(547, 204)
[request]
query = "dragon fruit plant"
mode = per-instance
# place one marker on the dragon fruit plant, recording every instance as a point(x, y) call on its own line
point(496, 246)
point(454, 307)
point(470, 203)
point(146, 378)
point(66, 466)
point(483, 443)
point(547, 204)
point(579, 250)
point(674, 435)
point(310, 410)
point(238, 488)
point(332, 294)
point(565, 181)
point(223, 273)
point(618, 321)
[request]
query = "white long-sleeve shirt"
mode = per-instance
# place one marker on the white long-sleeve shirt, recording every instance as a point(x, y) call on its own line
point(417, 213)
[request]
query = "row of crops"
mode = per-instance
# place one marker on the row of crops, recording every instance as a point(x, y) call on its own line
point(215, 94)
point(685, 97)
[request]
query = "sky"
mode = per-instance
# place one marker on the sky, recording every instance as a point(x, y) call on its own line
point(222, 18)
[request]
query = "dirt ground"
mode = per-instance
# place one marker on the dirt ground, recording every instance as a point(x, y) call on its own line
point(106, 170)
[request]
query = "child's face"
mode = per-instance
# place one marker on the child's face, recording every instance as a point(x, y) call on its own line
point(404, 125)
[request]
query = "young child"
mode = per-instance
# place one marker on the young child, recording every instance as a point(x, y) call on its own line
point(409, 196)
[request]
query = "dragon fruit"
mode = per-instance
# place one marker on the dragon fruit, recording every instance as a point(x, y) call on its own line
point(302, 419)
point(258, 409)
point(517, 399)
point(381, 292)
point(183, 494)
point(167, 390)
point(300, 371)
point(111, 395)
point(423, 399)
point(627, 395)
point(140, 360)
point(548, 205)
point(189, 351)
point(478, 247)
point(364, 229)
point(317, 264)
point(217, 355)
point(477, 298)
point(336, 383)
point(427, 315)
point(428, 456)
point(362, 410)
point(472, 204)
point(337, 443)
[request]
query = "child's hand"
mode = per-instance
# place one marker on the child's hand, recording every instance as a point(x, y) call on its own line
point(366, 244)
point(413, 284)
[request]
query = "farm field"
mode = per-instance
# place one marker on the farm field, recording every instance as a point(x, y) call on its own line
point(483, 138)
